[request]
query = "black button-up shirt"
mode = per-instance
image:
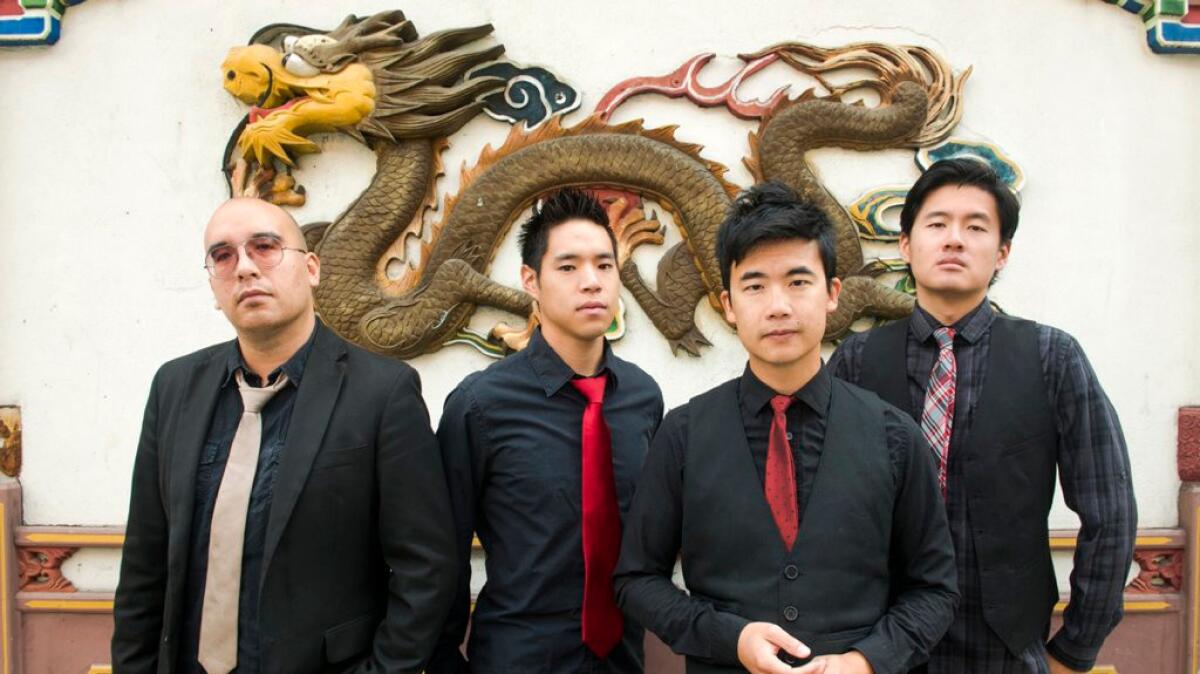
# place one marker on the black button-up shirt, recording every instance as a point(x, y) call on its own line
point(276, 416)
point(1093, 467)
point(511, 444)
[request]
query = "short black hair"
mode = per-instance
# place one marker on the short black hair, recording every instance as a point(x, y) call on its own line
point(963, 171)
point(566, 204)
point(770, 212)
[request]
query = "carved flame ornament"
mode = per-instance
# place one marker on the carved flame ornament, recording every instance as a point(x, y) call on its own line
point(404, 95)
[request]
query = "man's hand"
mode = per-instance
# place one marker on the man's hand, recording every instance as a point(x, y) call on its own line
point(758, 647)
point(846, 663)
point(1057, 667)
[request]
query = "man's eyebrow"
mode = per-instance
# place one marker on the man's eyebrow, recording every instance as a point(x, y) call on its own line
point(269, 235)
point(752, 274)
point(980, 214)
point(574, 256)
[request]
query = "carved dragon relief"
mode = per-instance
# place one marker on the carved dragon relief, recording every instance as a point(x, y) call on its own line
point(403, 95)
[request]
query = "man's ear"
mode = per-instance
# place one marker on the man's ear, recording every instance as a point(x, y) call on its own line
point(1002, 255)
point(904, 252)
point(727, 305)
point(312, 264)
point(835, 289)
point(529, 281)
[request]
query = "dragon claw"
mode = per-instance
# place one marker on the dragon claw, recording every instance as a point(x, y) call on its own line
point(263, 181)
point(515, 339)
point(631, 226)
point(265, 140)
point(639, 233)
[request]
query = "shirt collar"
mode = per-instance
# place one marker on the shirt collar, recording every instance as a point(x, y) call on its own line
point(969, 328)
point(294, 367)
point(815, 394)
point(553, 372)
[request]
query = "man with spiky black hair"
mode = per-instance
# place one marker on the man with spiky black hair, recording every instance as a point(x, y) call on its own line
point(804, 510)
point(541, 451)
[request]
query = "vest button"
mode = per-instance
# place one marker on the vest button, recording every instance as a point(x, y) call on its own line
point(791, 572)
point(790, 613)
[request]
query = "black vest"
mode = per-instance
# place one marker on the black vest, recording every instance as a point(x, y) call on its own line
point(1009, 458)
point(832, 588)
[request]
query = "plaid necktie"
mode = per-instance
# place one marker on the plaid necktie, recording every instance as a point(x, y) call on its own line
point(938, 416)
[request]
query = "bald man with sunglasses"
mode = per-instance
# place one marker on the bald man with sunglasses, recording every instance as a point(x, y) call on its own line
point(288, 510)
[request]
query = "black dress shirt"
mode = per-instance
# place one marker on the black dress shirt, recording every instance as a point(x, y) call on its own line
point(511, 445)
point(697, 628)
point(276, 416)
point(1093, 467)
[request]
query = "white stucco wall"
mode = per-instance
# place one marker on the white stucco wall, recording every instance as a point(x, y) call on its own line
point(110, 144)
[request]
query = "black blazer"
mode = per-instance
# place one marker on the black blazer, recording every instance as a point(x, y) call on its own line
point(359, 492)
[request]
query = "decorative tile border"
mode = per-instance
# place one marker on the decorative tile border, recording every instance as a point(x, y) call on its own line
point(58, 602)
point(71, 537)
point(1172, 26)
point(41, 552)
point(1158, 590)
point(25, 23)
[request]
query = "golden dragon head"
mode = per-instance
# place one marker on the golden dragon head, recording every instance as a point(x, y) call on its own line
point(250, 75)
point(373, 78)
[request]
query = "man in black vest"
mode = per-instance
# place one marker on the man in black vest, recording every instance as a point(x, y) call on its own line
point(1002, 402)
point(805, 510)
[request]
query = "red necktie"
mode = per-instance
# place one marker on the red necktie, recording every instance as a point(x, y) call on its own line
point(780, 479)
point(602, 622)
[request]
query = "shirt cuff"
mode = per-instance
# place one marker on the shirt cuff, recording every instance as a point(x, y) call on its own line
point(878, 652)
point(1076, 656)
point(726, 628)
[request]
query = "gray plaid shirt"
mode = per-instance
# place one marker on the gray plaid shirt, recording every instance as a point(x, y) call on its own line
point(1093, 465)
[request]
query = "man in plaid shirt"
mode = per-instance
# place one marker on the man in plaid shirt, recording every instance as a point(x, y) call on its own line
point(1004, 403)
